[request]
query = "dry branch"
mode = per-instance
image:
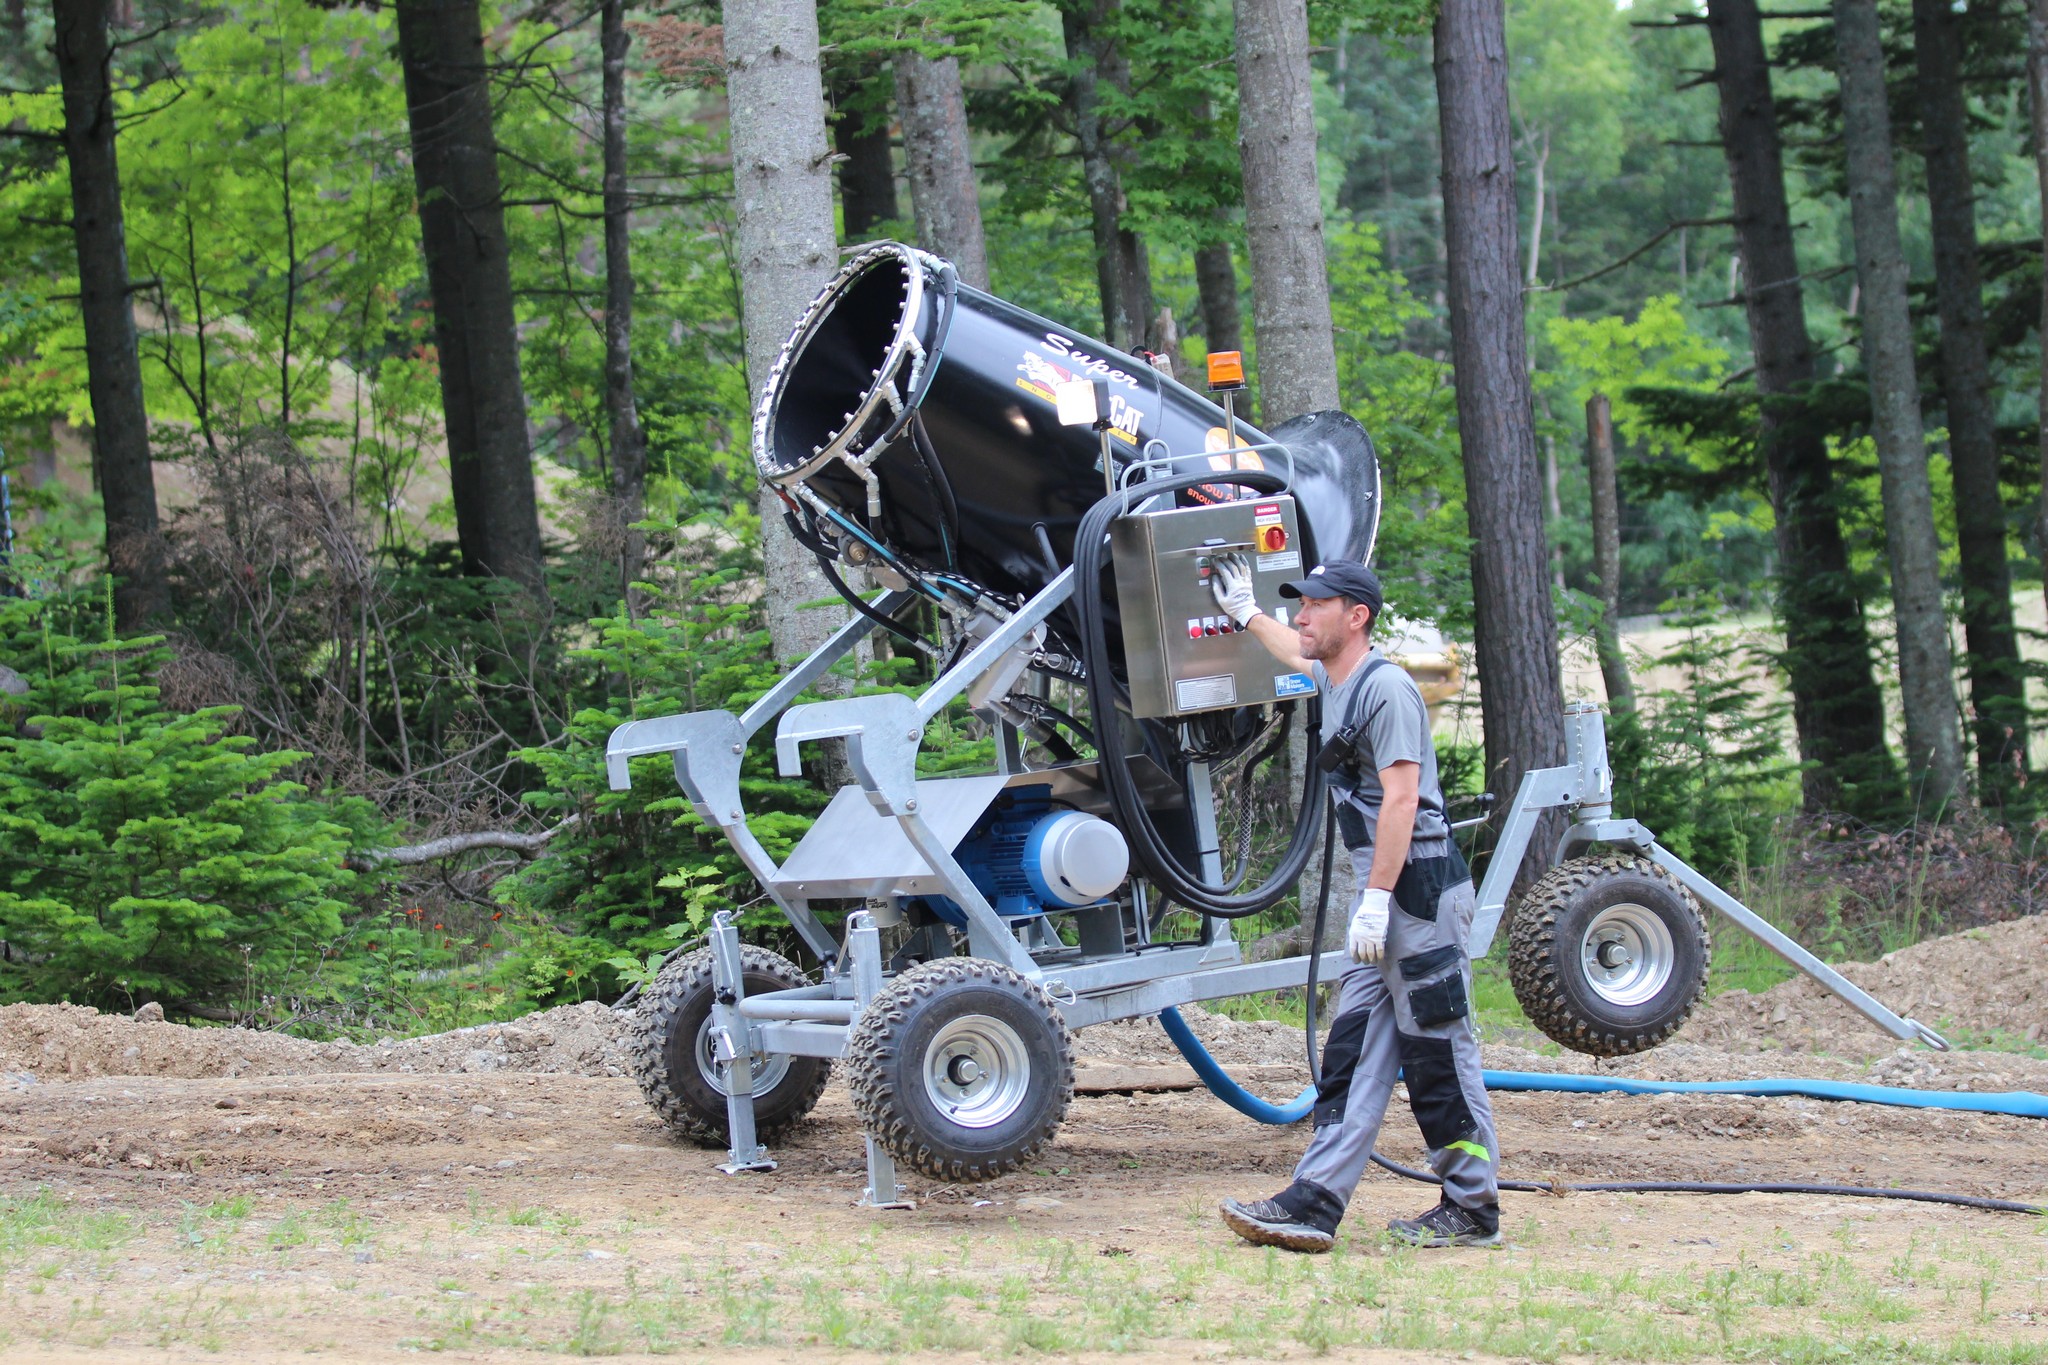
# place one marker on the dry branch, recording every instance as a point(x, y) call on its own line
point(454, 845)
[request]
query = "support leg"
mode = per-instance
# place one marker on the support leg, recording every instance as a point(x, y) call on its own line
point(864, 947)
point(734, 1048)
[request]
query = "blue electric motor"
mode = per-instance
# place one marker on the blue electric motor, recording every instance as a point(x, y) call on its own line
point(1028, 857)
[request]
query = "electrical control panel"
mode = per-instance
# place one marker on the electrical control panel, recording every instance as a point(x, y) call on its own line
point(1185, 656)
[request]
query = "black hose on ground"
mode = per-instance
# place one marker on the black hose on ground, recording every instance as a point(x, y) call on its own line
point(1967, 1201)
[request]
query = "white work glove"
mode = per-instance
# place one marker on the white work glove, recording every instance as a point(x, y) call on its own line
point(1369, 925)
point(1230, 579)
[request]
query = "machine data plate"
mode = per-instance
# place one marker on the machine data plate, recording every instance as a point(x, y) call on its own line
point(1185, 656)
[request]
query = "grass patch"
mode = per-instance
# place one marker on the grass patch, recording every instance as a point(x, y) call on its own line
point(45, 1221)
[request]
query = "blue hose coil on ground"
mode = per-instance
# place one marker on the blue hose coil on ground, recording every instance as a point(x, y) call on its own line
point(1222, 1086)
point(2022, 1103)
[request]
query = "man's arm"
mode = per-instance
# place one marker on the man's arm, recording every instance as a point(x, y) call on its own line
point(1400, 785)
point(1282, 642)
point(1232, 585)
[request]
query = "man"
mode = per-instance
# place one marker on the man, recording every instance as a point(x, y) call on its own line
point(1403, 1005)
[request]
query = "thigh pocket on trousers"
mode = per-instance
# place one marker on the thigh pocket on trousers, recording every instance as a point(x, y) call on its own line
point(1431, 1071)
point(1440, 1002)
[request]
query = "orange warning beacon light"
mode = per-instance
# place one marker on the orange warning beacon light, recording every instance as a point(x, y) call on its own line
point(1226, 370)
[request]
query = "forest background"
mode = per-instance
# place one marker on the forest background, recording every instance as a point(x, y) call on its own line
point(317, 741)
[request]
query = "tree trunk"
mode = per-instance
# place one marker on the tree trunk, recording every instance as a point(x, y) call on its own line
point(1997, 683)
point(1283, 212)
point(628, 441)
point(469, 273)
point(2037, 107)
point(1521, 685)
point(1123, 272)
point(867, 171)
point(1836, 705)
point(782, 186)
point(1934, 743)
point(1621, 692)
point(120, 423)
point(1542, 159)
point(939, 165)
point(1216, 283)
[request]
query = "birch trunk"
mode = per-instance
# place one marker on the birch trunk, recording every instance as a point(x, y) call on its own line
point(1836, 705)
point(939, 165)
point(628, 441)
point(120, 423)
point(1283, 212)
point(469, 274)
point(1934, 746)
point(1997, 683)
point(1522, 687)
point(1621, 692)
point(787, 250)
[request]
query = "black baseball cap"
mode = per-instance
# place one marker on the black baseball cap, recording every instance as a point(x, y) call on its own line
point(1339, 578)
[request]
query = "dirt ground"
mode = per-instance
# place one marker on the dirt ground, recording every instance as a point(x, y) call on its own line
point(170, 1193)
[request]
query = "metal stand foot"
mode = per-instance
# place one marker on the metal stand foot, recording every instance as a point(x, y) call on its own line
point(733, 1045)
point(864, 947)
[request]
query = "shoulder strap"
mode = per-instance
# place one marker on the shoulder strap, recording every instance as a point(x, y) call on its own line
point(1351, 715)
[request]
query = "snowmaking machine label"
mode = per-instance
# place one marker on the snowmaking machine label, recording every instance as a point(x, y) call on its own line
point(1185, 656)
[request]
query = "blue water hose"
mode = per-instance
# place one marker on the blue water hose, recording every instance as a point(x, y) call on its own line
point(2023, 1103)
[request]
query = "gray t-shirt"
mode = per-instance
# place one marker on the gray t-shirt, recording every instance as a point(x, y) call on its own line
point(1393, 727)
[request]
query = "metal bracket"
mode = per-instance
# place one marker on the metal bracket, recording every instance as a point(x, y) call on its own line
point(1586, 783)
point(733, 1038)
point(864, 947)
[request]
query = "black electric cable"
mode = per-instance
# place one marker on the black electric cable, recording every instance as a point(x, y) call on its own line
point(941, 486)
point(1315, 949)
point(860, 604)
point(1968, 1201)
point(1154, 858)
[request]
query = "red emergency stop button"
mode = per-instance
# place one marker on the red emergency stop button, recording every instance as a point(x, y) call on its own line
point(1272, 539)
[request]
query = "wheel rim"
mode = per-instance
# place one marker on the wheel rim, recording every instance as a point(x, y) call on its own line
point(976, 1071)
point(1628, 954)
point(769, 1067)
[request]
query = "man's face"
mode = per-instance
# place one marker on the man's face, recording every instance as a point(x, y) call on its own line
point(1328, 624)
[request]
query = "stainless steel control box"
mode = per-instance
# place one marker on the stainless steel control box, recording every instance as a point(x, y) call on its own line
point(1184, 655)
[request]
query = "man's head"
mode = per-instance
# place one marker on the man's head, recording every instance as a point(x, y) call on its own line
point(1340, 601)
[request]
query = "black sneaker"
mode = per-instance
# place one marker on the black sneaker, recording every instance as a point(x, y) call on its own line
point(1450, 1225)
point(1269, 1223)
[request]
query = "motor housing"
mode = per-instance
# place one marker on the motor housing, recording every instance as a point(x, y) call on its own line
point(1029, 857)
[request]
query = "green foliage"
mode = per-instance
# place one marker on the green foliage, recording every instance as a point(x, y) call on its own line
point(147, 854)
point(1701, 762)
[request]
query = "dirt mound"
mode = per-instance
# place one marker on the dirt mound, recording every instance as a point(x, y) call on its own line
point(1987, 985)
point(70, 1042)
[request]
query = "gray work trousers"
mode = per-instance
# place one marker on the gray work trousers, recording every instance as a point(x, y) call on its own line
point(1379, 1034)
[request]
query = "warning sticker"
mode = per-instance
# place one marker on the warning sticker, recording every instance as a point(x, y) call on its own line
point(1266, 514)
point(1286, 559)
point(1199, 694)
point(1292, 684)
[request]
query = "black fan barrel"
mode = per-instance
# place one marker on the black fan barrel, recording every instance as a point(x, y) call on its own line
point(997, 463)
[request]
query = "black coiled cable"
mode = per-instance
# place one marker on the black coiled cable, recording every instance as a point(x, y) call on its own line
point(1154, 858)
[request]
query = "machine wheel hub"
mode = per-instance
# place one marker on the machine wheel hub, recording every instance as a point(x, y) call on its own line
point(977, 1071)
point(1628, 953)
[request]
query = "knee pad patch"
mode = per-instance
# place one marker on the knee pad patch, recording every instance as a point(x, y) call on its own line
point(1434, 1095)
point(1340, 1060)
